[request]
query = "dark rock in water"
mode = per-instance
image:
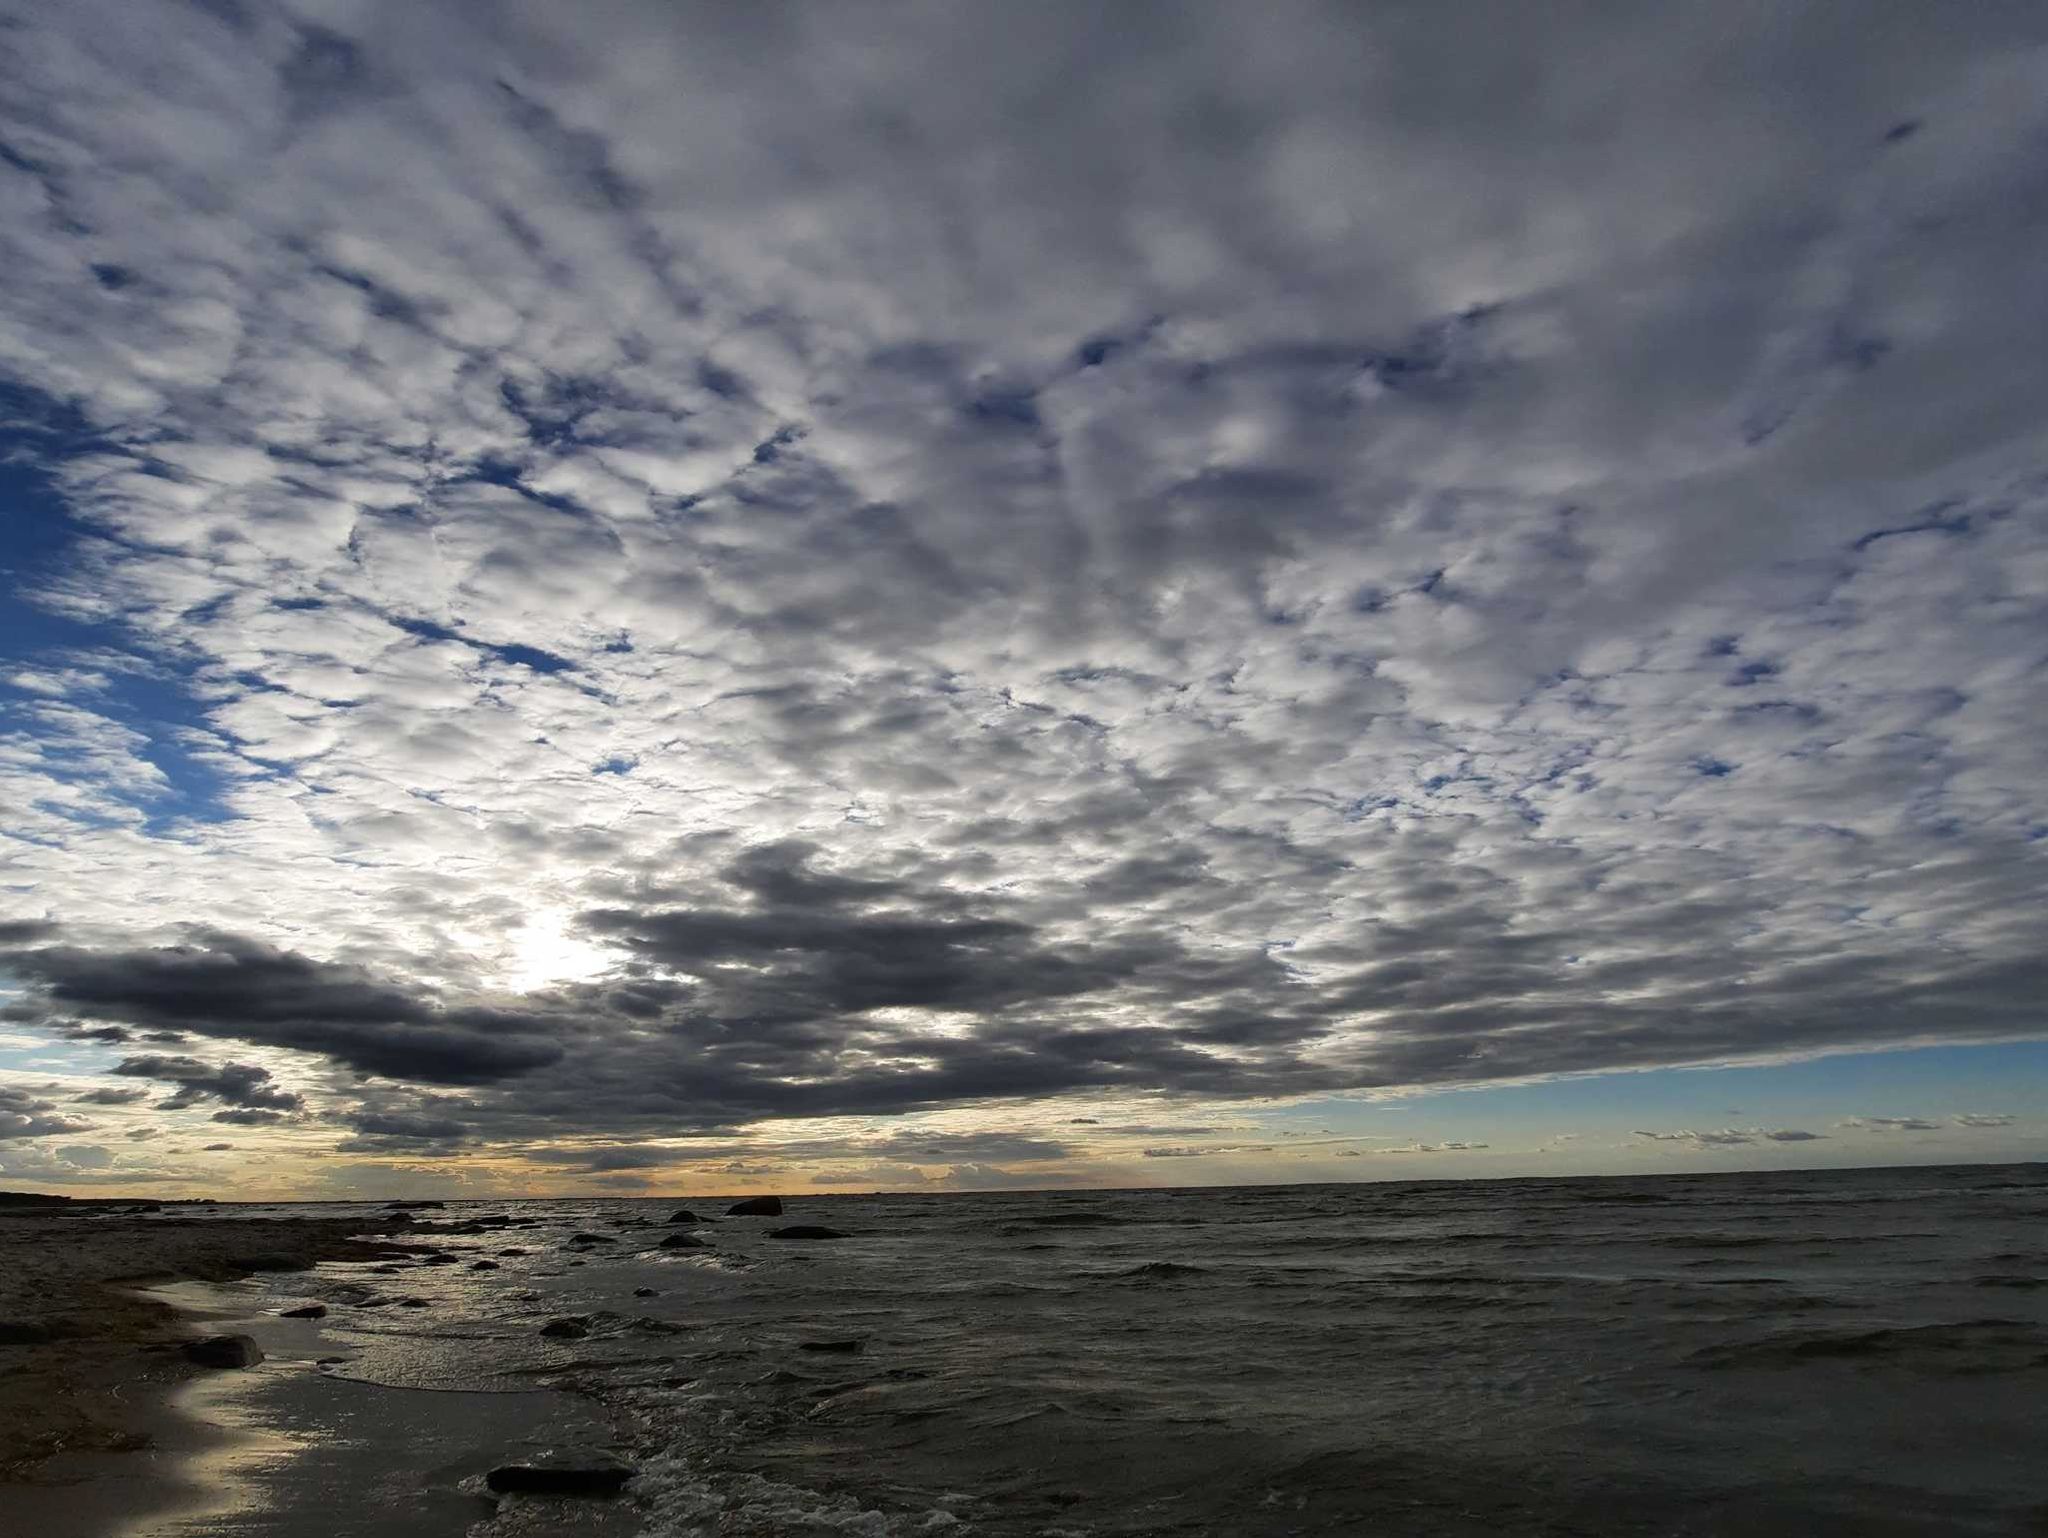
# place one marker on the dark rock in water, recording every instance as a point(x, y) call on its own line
point(566, 1329)
point(756, 1207)
point(512, 1252)
point(846, 1346)
point(385, 1270)
point(147, 1207)
point(1076, 1220)
point(331, 1361)
point(414, 1303)
point(592, 1239)
point(277, 1262)
point(483, 1265)
point(685, 1216)
point(650, 1326)
point(808, 1231)
point(645, 1292)
point(15, 1332)
point(414, 1206)
point(575, 1263)
point(562, 1471)
point(439, 1258)
point(310, 1311)
point(682, 1242)
point(224, 1351)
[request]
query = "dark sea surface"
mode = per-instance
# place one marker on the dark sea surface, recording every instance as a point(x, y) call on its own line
point(1842, 1352)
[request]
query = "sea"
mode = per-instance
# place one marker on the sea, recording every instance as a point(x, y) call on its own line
point(1852, 1352)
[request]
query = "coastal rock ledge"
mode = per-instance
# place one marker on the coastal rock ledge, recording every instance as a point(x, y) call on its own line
point(562, 1471)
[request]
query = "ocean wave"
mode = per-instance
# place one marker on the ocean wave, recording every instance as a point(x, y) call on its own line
point(1967, 1347)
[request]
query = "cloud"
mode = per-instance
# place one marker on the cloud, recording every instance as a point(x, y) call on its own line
point(1974, 1119)
point(241, 1085)
point(734, 589)
point(1893, 1123)
point(109, 1095)
point(217, 1148)
point(1727, 1137)
point(23, 1115)
point(1791, 1135)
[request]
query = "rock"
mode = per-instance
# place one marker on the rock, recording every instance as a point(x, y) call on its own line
point(483, 1265)
point(224, 1351)
point(651, 1326)
point(562, 1471)
point(566, 1329)
point(592, 1239)
point(682, 1242)
point(384, 1270)
point(16, 1332)
point(414, 1303)
point(808, 1231)
point(756, 1207)
point(846, 1346)
point(574, 1263)
point(310, 1311)
point(685, 1216)
point(414, 1206)
point(645, 1292)
point(512, 1252)
point(266, 1262)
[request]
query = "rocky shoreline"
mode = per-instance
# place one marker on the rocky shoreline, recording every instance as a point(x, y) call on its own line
point(76, 1337)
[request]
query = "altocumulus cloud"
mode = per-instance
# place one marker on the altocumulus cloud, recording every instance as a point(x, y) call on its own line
point(583, 575)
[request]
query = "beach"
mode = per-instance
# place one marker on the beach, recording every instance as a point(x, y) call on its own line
point(1848, 1352)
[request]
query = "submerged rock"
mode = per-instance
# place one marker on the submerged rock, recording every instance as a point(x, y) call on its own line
point(592, 1239)
point(566, 1329)
point(682, 1242)
point(645, 1292)
point(224, 1351)
point(562, 1471)
point(756, 1207)
point(310, 1311)
point(18, 1332)
point(808, 1231)
point(513, 1251)
point(845, 1346)
point(483, 1265)
point(685, 1216)
point(414, 1303)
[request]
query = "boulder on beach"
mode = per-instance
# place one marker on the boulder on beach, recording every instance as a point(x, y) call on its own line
point(224, 1351)
point(592, 1239)
point(808, 1231)
point(685, 1216)
point(483, 1265)
point(439, 1258)
point(562, 1471)
point(566, 1329)
point(310, 1311)
point(756, 1207)
point(682, 1242)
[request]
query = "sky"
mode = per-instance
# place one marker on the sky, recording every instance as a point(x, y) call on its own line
point(639, 597)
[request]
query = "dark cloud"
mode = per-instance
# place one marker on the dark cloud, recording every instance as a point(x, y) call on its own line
point(1894, 1123)
point(242, 1085)
point(23, 1115)
point(229, 987)
point(108, 1095)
